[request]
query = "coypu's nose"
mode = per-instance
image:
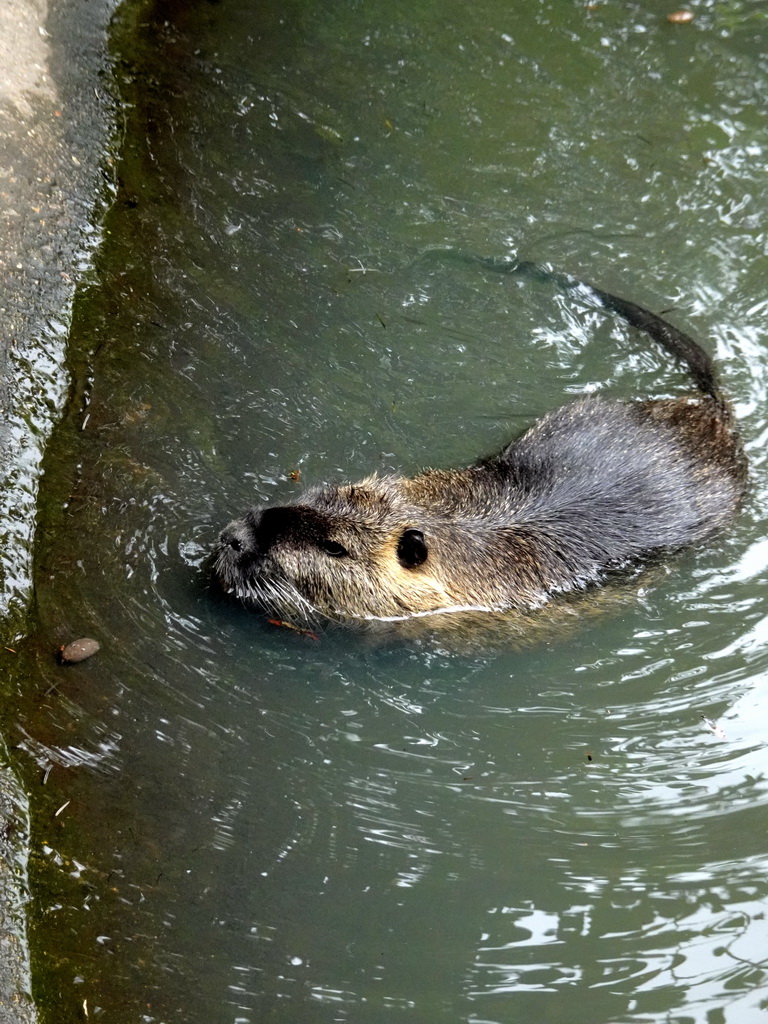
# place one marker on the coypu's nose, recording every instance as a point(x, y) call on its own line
point(238, 536)
point(255, 532)
point(260, 529)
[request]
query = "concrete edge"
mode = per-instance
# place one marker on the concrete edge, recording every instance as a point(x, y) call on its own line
point(57, 123)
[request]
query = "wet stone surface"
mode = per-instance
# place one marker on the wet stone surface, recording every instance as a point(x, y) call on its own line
point(55, 123)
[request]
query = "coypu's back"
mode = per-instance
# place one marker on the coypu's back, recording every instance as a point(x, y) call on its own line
point(590, 488)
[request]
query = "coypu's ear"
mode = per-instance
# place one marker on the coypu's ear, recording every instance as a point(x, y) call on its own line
point(412, 549)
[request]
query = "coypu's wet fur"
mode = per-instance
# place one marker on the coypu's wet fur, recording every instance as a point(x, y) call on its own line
point(594, 487)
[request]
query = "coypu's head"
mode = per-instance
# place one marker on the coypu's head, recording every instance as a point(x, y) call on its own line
point(354, 551)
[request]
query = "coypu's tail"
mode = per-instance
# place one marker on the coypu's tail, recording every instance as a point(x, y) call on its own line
point(679, 344)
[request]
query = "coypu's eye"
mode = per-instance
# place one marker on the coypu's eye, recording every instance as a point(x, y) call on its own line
point(412, 549)
point(330, 547)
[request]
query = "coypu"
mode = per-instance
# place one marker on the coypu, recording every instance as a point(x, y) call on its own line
point(596, 486)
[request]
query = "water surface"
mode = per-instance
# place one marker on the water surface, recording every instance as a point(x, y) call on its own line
point(236, 823)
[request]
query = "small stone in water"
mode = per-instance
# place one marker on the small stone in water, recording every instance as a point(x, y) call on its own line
point(78, 650)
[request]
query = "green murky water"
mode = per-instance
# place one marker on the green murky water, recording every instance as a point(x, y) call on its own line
point(233, 823)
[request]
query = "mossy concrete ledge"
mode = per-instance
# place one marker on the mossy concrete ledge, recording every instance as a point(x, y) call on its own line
point(56, 126)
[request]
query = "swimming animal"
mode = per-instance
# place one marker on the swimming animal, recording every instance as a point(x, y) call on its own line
point(597, 486)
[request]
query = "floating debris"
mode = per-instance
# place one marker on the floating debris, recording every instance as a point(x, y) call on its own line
point(713, 727)
point(296, 629)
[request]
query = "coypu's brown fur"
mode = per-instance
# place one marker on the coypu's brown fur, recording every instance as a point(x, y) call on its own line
point(593, 487)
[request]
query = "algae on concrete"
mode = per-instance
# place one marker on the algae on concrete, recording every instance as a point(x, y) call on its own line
point(56, 125)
